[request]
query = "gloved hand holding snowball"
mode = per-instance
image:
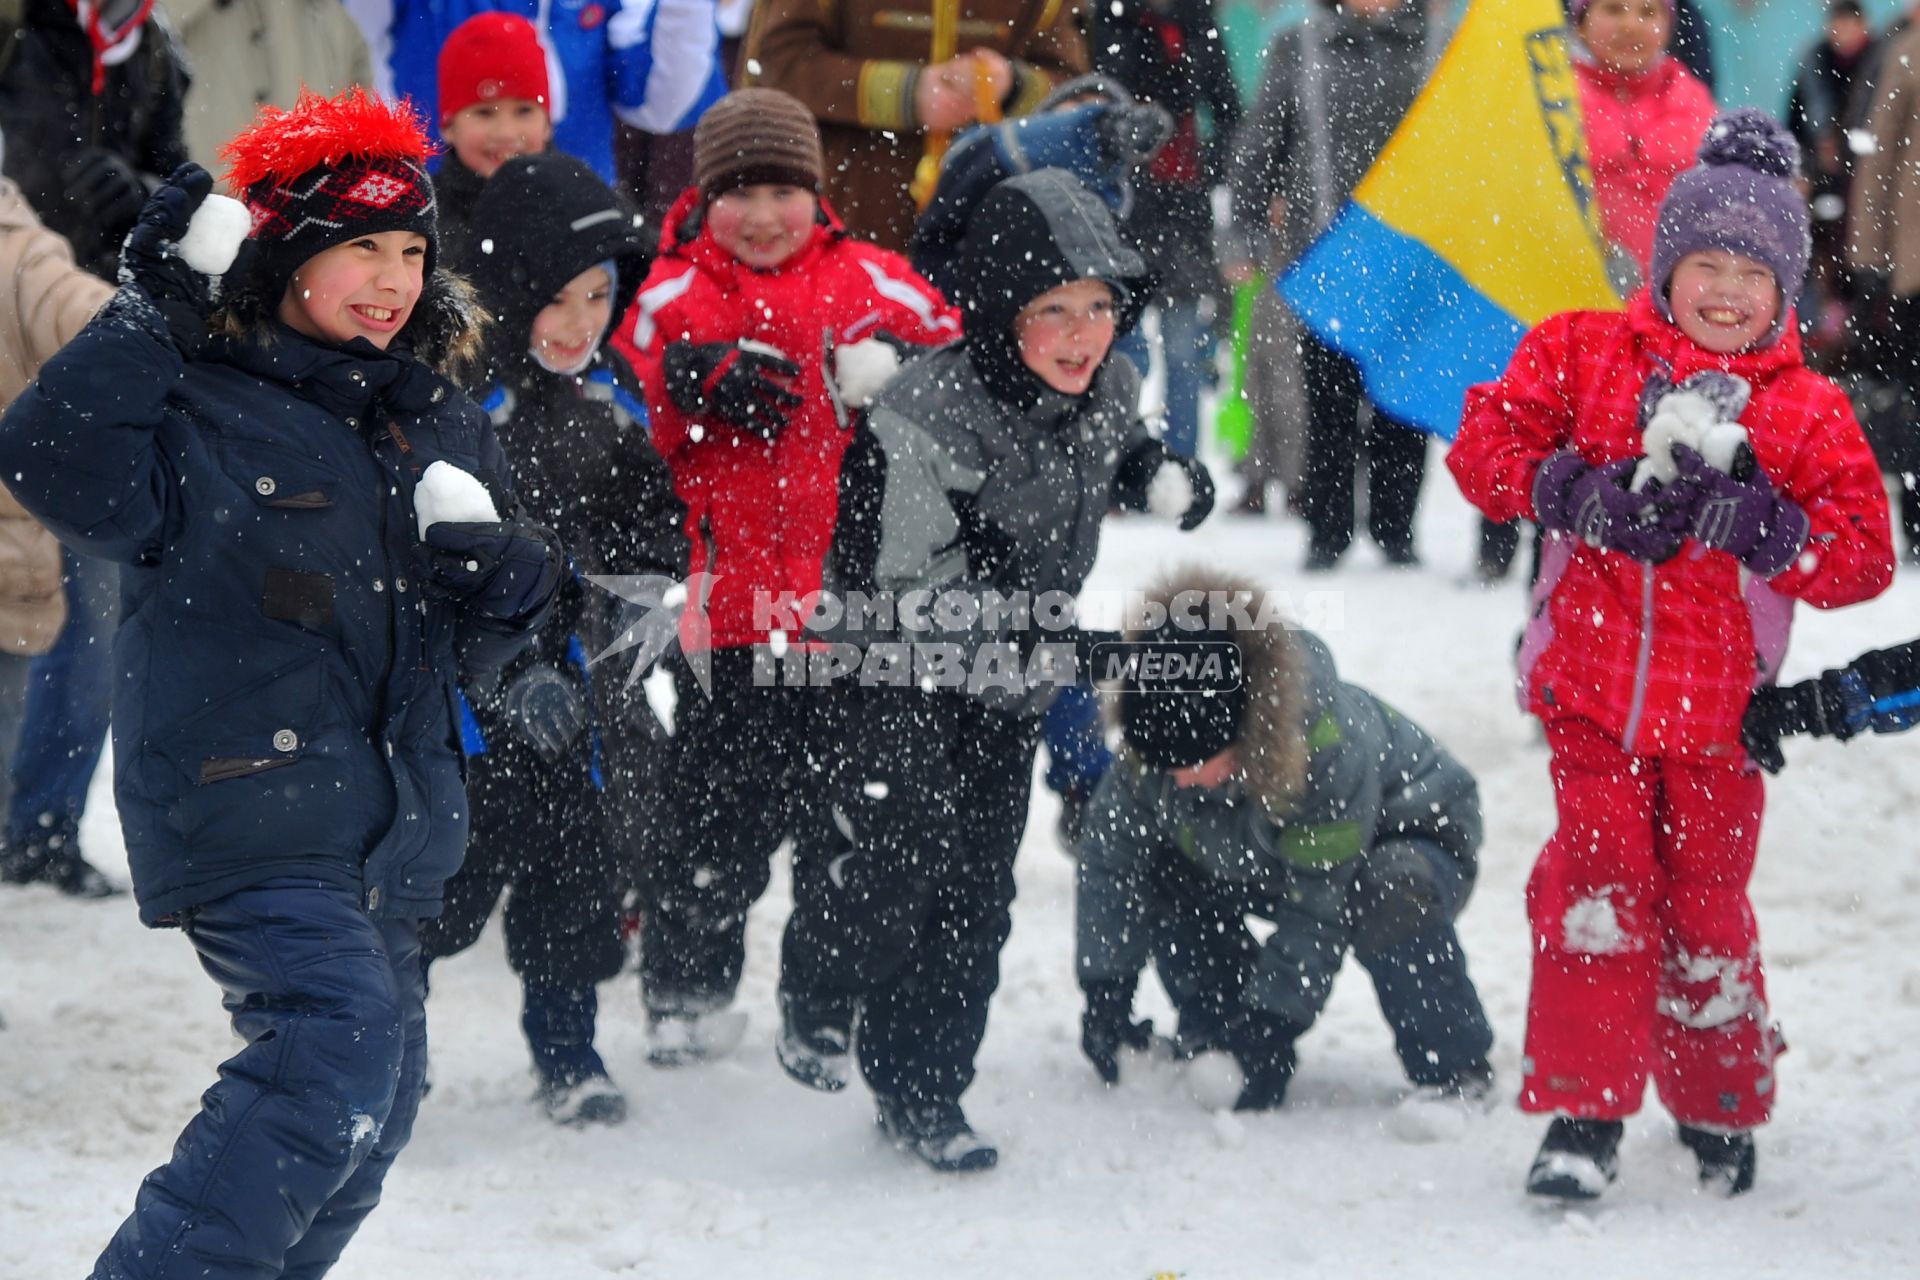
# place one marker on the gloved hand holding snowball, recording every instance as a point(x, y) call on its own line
point(505, 570)
point(185, 245)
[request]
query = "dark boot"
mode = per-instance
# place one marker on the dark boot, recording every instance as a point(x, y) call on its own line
point(1726, 1159)
point(574, 1086)
point(1578, 1159)
point(1262, 1043)
point(813, 1040)
point(938, 1133)
point(53, 857)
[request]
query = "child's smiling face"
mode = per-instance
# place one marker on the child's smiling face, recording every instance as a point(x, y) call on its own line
point(1065, 333)
point(1723, 301)
point(1626, 36)
point(488, 134)
point(361, 288)
point(568, 330)
point(764, 223)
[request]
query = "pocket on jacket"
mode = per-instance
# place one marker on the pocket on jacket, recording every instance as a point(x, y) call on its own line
point(278, 478)
point(261, 705)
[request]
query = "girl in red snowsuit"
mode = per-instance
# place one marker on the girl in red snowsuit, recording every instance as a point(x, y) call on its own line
point(1678, 544)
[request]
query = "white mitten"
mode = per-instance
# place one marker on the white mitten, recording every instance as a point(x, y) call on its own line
point(445, 492)
point(861, 368)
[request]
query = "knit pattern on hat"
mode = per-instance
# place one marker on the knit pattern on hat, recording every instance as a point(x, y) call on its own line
point(328, 170)
point(757, 135)
point(1739, 198)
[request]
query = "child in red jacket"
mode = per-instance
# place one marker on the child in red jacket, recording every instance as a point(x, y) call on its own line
point(1695, 479)
point(761, 329)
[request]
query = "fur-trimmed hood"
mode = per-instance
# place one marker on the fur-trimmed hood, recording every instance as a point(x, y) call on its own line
point(1289, 679)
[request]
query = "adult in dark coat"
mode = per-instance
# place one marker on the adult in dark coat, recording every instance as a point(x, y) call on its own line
point(92, 120)
point(541, 747)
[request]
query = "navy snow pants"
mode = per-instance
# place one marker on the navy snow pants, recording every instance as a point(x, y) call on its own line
point(286, 1157)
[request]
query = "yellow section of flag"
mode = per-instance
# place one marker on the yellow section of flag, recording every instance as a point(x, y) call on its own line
point(1489, 168)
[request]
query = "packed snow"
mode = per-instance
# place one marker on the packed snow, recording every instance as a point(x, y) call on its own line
point(730, 1170)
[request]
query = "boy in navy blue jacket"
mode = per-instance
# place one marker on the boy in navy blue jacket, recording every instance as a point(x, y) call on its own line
point(306, 516)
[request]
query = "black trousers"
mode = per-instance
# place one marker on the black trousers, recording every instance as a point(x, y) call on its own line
point(1896, 444)
point(903, 888)
point(1396, 457)
point(540, 834)
point(741, 776)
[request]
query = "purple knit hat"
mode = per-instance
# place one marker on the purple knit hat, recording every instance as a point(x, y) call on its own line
point(1577, 9)
point(1739, 198)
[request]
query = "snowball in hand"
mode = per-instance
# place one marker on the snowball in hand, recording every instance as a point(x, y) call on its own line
point(1170, 492)
point(214, 235)
point(861, 368)
point(445, 492)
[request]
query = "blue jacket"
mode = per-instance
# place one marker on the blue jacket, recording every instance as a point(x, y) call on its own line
point(653, 63)
point(285, 697)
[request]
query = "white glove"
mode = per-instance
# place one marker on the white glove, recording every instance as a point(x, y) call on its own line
point(861, 368)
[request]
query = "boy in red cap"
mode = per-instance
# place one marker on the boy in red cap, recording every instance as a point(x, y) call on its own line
point(309, 519)
point(494, 105)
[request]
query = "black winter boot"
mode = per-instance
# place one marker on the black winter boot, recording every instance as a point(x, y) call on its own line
point(574, 1086)
point(1726, 1159)
point(938, 1133)
point(1578, 1159)
point(813, 1041)
point(54, 858)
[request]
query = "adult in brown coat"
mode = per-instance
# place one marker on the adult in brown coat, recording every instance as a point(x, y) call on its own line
point(1884, 244)
point(864, 68)
point(44, 300)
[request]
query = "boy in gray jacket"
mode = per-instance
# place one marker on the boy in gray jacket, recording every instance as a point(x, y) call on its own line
point(1265, 785)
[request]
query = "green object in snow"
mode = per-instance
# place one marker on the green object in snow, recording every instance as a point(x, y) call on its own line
point(1233, 423)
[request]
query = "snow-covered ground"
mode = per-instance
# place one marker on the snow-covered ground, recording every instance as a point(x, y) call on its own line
point(732, 1171)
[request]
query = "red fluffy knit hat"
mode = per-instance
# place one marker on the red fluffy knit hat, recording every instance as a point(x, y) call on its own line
point(489, 56)
point(327, 171)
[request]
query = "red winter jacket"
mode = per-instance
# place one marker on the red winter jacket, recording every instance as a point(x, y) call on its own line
point(761, 515)
point(1664, 657)
point(1642, 132)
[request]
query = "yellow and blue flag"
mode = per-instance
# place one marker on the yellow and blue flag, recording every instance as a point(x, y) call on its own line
point(1476, 222)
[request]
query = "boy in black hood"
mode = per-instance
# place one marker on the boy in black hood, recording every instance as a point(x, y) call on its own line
point(986, 468)
point(554, 254)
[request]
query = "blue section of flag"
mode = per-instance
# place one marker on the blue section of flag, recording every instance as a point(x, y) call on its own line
point(1419, 332)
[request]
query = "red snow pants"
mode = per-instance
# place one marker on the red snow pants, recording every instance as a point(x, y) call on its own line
point(1646, 955)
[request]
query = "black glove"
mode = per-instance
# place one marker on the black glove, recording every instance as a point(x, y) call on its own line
point(503, 570)
point(547, 707)
point(103, 193)
point(1836, 704)
point(152, 260)
point(1133, 481)
point(1262, 1043)
point(735, 382)
point(1107, 1026)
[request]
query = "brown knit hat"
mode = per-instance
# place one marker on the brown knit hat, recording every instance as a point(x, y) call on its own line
point(756, 135)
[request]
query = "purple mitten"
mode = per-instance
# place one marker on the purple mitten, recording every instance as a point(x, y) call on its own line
point(1743, 517)
point(1594, 503)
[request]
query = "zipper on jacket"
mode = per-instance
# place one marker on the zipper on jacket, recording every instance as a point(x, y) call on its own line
point(1643, 661)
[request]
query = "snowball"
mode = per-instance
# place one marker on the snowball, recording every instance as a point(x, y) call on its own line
point(1214, 1080)
point(1692, 419)
point(861, 368)
point(1593, 927)
point(1170, 492)
point(446, 493)
point(214, 235)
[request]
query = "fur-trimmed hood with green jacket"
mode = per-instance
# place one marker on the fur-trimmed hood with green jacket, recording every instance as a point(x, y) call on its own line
point(1327, 775)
